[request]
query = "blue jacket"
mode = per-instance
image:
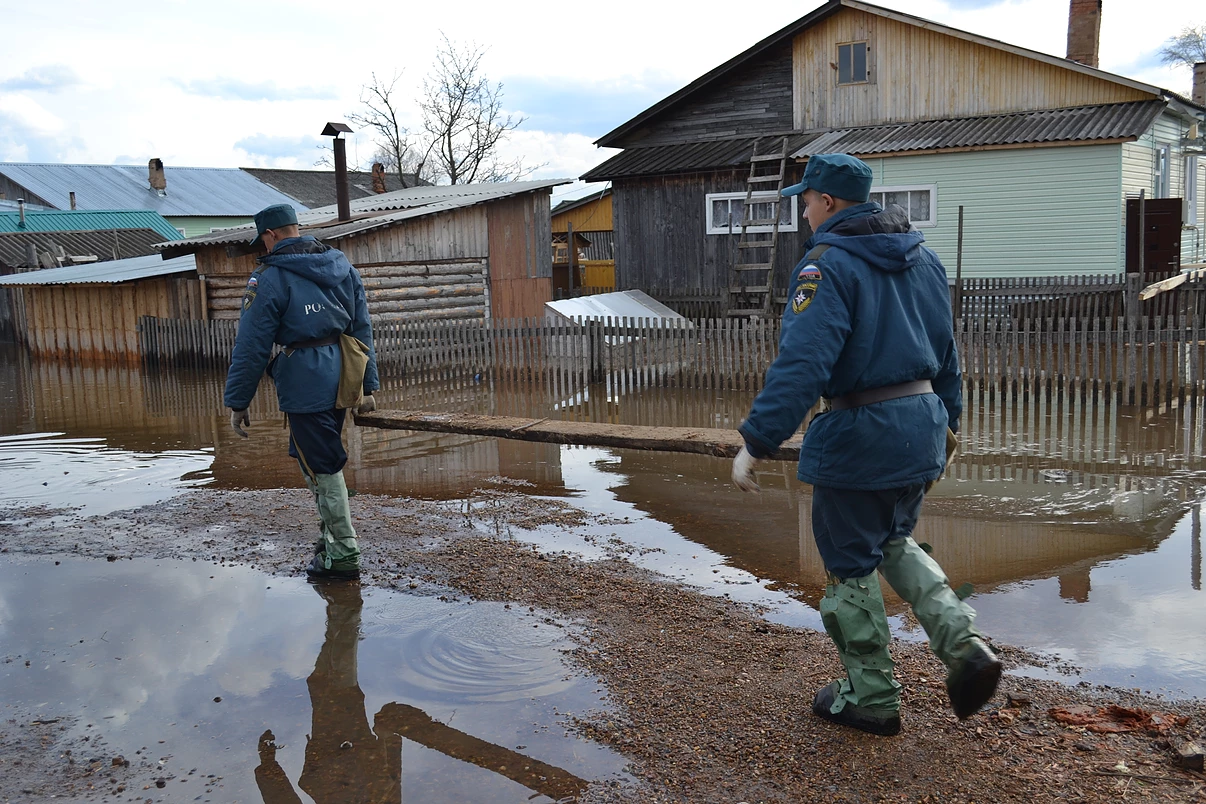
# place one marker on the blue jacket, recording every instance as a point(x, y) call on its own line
point(873, 310)
point(302, 291)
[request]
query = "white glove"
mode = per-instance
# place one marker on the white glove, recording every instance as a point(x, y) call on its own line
point(743, 471)
point(367, 405)
point(240, 417)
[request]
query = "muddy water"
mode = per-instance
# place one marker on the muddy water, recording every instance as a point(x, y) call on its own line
point(1074, 521)
point(191, 665)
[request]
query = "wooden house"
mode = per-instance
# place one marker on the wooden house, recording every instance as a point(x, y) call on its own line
point(1046, 155)
point(91, 312)
point(459, 252)
point(593, 261)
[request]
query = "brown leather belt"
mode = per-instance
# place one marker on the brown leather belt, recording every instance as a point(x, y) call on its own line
point(330, 340)
point(869, 397)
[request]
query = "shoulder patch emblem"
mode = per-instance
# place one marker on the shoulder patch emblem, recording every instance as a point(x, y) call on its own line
point(803, 297)
point(252, 288)
point(810, 273)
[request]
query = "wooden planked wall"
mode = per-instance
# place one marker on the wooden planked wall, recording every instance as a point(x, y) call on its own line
point(100, 322)
point(661, 233)
point(757, 99)
point(921, 74)
point(521, 262)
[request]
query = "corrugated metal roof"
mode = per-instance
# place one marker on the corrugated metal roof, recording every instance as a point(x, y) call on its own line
point(87, 221)
point(621, 304)
point(108, 273)
point(1116, 121)
point(381, 210)
point(111, 244)
point(316, 188)
point(1113, 121)
point(213, 192)
point(692, 156)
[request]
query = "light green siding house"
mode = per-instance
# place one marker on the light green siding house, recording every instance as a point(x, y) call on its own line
point(1041, 152)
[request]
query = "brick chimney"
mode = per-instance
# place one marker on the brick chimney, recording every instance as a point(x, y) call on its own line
point(155, 176)
point(1084, 31)
point(378, 178)
point(1199, 84)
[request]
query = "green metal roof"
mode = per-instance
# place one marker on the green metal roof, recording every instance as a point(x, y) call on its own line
point(87, 221)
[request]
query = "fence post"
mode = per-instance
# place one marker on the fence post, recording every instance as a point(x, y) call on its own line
point(957, 307)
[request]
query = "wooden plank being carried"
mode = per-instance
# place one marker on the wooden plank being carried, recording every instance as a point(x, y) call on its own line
point(1191, 273)
point(695, 440)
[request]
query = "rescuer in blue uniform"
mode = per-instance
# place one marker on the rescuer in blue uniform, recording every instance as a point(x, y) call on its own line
point(868, 326)
point(303, 296)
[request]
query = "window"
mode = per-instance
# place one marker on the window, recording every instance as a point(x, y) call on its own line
point(852, 63)
point(181, 231)
point(1163, 188)
point(1192, 198)
point(724, 213)
point(921, 202)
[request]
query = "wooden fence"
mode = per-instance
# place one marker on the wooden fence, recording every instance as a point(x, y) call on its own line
point(1133, 360)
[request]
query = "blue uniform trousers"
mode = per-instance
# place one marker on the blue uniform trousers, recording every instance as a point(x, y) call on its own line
point(850, 527)
point(316, 441)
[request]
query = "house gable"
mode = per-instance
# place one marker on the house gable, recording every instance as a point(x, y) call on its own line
point(929, 72)
point(756, 98)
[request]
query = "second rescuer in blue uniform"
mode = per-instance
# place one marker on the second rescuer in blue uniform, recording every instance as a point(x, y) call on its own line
point(868, 326)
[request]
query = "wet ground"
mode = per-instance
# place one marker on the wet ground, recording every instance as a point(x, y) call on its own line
point(1078, 525)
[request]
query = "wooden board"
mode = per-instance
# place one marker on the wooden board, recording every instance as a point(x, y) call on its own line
point(695, 440)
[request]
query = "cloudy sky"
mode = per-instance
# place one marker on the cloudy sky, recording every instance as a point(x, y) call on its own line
point(230, 84)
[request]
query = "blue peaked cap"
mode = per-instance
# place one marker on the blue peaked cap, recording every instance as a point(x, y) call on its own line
point(273, 217)
point(839, 175)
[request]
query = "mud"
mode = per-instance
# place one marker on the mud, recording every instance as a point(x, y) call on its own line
point(709, 701)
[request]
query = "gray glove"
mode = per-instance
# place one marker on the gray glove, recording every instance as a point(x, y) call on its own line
point(367, 405)
point(240, 417)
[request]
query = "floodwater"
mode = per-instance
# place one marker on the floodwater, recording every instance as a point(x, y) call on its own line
point(1078, 524)
point(193, 665)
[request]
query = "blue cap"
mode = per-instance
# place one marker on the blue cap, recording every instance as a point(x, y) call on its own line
point(273, 217)
point(839, 175)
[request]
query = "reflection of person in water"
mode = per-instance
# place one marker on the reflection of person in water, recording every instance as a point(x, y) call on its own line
point(346, 761)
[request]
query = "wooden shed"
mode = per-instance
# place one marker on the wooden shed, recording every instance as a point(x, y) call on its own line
point(91, 312)
point(592, 261)
point(459, 252)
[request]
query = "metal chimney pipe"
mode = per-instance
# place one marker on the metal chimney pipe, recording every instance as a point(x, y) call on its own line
point(341, 180)
point(72, 196)
point(21, 212)
point(337, 130)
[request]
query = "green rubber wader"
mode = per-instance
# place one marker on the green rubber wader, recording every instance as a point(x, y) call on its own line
point(921, 582)
point(853, 613)
point(339, 537)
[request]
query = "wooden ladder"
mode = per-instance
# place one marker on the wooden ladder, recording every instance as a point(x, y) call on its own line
point(752, 284)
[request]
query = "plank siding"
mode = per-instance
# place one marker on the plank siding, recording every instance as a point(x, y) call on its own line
point(521, 262)
point(661, 233)
point(755, 99)
point(99, 323)
point(921, 74)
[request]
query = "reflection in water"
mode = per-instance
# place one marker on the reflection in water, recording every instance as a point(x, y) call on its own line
point(1048, 491)
point(347, 761)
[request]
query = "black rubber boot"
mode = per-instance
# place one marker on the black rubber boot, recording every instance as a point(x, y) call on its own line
point(883, 722)
point(318, 571)
point(973, 681)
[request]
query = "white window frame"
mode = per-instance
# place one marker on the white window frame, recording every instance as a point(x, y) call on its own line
point(181, 231)
point(1162, 176)
point(902, 188)
point(1193, 198)
point(758, 197)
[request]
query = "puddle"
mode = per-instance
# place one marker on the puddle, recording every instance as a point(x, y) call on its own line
point(1071, 520)
point(408, 697)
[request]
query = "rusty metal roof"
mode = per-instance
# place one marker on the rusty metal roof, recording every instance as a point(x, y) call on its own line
point(1115, 121)
point(110, 244)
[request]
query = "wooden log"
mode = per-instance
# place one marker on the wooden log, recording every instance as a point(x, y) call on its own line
point(371, 284)
point(425, 292)
point(410, 305)
point(694, 440)
point(396, 271)
point(476, 311)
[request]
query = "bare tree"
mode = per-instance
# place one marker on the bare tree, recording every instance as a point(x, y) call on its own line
point(1187, 48)
point(379, 115)
point(463, 121)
